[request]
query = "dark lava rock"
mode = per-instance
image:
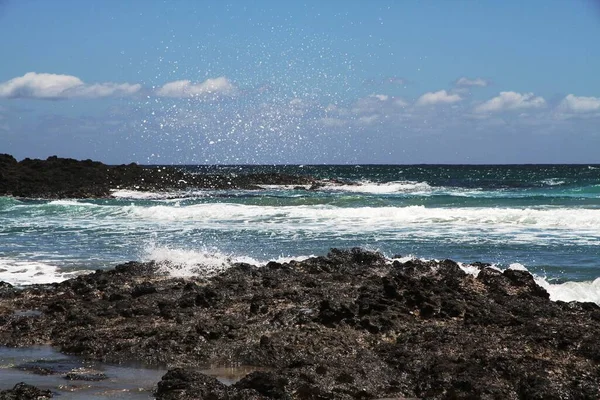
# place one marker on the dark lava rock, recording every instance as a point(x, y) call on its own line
point(23, 391)
point(68, 178)
point(86, 374)
point(267, 384)
point(49, 367)
point(348, 325)
point(181, 384)
point(184, 384)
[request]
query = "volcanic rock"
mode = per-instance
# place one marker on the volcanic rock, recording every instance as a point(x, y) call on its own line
point(68, 178)
point(348, 325)
point(23, 391)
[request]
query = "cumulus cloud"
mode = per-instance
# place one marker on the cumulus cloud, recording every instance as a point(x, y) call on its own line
point(368, 119)
point(467, 82)
point(380, 97)
point(54, 86)
point(439, 97)
point(378, 103)
point(509, 101)
point(579, 104)
point(333, 122)
point(185, 88)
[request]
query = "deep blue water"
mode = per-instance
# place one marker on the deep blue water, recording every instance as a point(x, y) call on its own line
point(543, 217)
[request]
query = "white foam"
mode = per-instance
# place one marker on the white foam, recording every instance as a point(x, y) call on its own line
point(284, 187)
point(142, 195)
point(553, 182)
point(407, 258)
point(469, 269)
point(517, 267)
point(20, 273)
point(587, 291)
point(67, 203)
point(381, 188)
point(376, 217)
point(177, 262)
point(137, 195)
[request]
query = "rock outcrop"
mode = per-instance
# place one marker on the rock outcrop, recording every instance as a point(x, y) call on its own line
point(349, 325)
point(23, 391)
point(68, 178)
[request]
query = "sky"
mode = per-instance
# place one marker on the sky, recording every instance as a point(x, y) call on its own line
point(302, 82)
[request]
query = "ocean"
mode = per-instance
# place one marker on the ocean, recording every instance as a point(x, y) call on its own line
point(543, 218)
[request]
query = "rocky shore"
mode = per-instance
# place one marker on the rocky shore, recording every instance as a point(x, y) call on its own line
point(349, 325)
point(68, 178)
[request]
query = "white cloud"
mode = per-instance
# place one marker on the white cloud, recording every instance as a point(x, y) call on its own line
point(380, 97)
point(378, 103)
point(368, 119)
point(54, 86)
point(400, 103)
point(579, 104)
point(439, 97)
point(463, 81)
point(299, 107)
point(508, 101)
point(185, 88)
point(336, 110)
point(333, 122)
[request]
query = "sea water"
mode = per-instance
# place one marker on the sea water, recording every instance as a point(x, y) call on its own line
point(543, 218)
point(46, 368)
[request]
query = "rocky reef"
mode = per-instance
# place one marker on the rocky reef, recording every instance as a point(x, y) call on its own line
point(348, 325)
point(22, 391)
point(68, 178)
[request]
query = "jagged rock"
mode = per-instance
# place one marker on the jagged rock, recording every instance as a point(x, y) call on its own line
point(179, 384)
point(86, 374)
point(23, 391)
point(68, 178)
point(348, 325)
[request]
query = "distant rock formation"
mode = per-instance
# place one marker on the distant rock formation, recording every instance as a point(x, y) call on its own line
point(68, 178)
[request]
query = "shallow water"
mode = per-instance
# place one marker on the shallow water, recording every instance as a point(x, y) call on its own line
point(124, 382)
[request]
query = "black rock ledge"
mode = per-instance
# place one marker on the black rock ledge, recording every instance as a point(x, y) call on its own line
point(349, 325)
point(68, 178)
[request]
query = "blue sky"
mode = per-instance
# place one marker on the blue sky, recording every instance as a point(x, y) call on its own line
point(301, 82)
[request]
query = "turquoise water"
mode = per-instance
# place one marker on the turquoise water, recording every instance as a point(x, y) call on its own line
point(545, 218)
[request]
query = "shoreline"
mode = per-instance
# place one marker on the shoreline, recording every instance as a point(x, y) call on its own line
point(66, 178)
point(346, 325)
point(74, 378)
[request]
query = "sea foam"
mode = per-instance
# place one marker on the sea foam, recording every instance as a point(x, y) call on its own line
point(586, 291)
point(377, 216)
point(381, 188)
point(178, 262)
point(20, 273)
